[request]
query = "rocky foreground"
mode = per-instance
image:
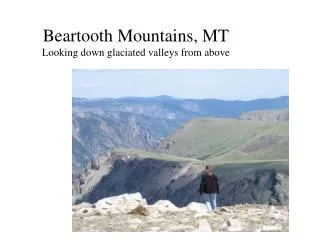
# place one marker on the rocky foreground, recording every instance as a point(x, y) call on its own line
point(131, 213)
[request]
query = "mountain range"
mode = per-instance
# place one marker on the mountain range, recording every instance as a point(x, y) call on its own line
point(99, 125)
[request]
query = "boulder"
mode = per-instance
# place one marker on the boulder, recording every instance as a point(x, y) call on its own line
point(204, 226)
point(165, 203)
point(164, 206)
point(120, 204)
point(196, 207)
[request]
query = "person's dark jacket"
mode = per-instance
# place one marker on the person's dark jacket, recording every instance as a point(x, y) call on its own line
point(209, 184)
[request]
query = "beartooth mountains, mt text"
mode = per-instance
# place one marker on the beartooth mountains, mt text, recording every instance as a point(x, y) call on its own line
point(215, 35)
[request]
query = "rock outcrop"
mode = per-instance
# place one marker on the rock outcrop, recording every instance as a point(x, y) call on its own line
point(277, 115)
point(130, 213)
point(120, 204)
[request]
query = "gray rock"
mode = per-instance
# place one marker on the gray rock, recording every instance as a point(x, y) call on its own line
point(164, 206)
point(197, 207)
point(120, 204)
point(165, 203)
point(204, 226)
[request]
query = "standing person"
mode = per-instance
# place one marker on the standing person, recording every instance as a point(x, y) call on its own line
point(209, 188)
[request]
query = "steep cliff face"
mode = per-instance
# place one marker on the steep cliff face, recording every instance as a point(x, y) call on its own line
point(96, 131)
point(178, 180)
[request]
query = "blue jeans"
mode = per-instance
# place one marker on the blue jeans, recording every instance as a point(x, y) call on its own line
point(210, 200)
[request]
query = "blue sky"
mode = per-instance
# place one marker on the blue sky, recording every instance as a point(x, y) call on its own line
point(197, 84)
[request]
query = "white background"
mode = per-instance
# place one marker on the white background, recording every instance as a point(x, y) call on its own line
point(36, 96)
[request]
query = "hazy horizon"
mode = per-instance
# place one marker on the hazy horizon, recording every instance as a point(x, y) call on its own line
point(177, 98)
point(242, 84)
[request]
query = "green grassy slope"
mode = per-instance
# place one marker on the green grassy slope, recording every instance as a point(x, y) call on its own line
point(152, 155)
point(229, 140)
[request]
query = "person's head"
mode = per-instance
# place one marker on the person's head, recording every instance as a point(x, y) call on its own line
point(209, 169)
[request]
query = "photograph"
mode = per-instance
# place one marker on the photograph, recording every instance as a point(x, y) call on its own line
point(180, 150)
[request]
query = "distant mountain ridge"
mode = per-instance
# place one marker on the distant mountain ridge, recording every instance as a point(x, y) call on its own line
point(203, 107)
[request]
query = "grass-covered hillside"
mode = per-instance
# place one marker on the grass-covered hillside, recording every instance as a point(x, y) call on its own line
point(225, 140)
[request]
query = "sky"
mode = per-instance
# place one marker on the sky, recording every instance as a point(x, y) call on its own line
point(195, 84)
